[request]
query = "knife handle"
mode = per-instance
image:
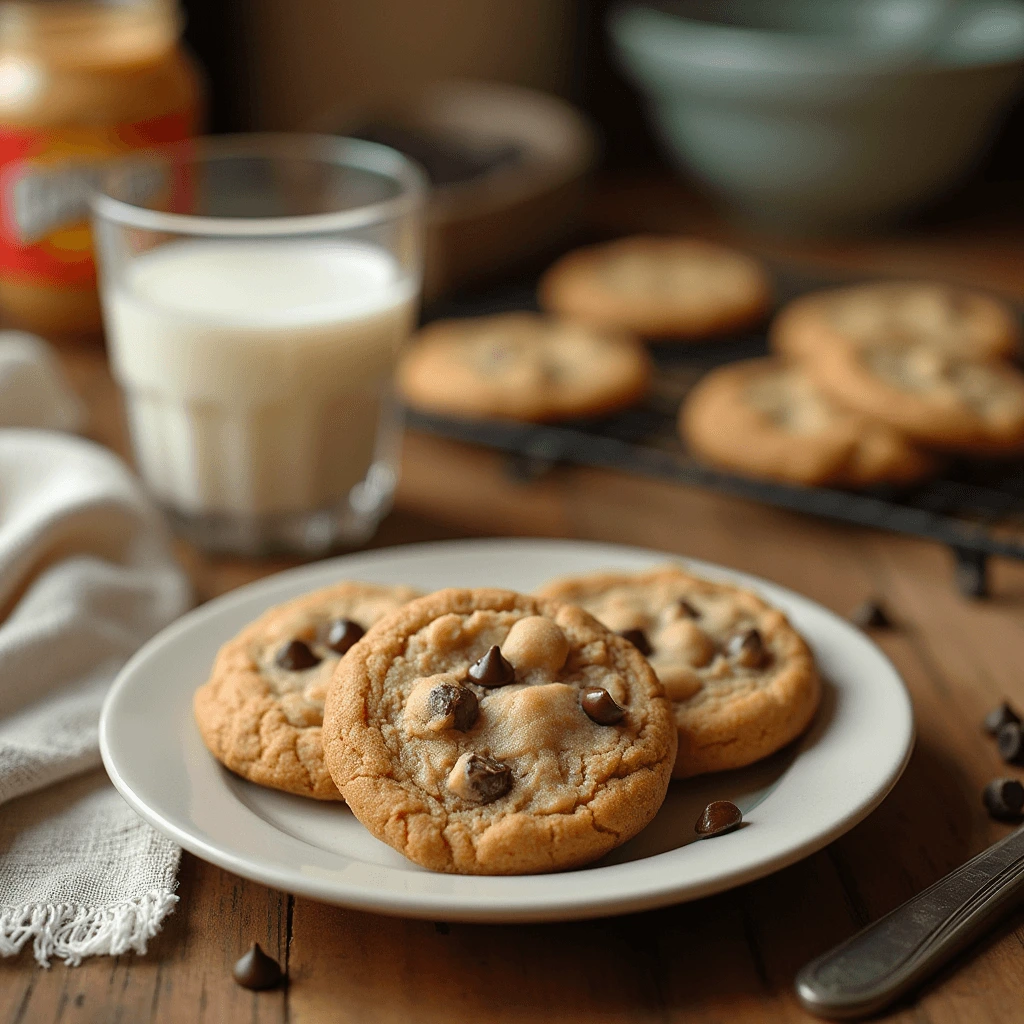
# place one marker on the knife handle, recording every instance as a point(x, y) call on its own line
point(869, 970)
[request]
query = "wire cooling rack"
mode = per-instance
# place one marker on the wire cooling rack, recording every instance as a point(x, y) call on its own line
point(975, 506)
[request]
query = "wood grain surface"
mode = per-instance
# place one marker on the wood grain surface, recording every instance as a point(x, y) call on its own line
point(730, 958)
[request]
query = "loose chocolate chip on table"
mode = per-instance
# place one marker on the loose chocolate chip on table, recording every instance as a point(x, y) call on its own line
point(870, 615)
point(638, 638)
point(747, 649)
point(342, 634)
point(488, 779)
point(719, 816)
point(1004, 798)
point(687, 609)
point(1010, 741)
point(492, 670)
point(256, 970)
point(295, 656)
point(457, 701)
point(1000, 716)
point(600, 706)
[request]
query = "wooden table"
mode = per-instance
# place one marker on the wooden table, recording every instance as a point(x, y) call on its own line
point(730, 958)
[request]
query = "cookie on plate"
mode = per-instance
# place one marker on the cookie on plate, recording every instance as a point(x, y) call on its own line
point(958, 320)
point(521, 366)
point(487, 732)
point(768, 419)
point(261, 711)
point(742, 681)
point(933, 395)
point(659, 287)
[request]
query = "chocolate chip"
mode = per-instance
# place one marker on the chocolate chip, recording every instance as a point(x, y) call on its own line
point(1004, 798)
point(719, 816)
point(458, 702)
point(1010, 741)
point(600, 706)
point(638, 639)
point(342, 634)
point(488, 779)
point(256, 970)
point(870, 615)
point(687, 609)
point(492, 670)
point(296, 656)
point(747, 649)
point(1000, 716)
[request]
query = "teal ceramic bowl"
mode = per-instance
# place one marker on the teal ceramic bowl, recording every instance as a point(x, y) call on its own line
point(817, 115)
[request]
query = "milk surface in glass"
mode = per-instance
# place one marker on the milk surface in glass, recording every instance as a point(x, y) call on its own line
point(255, 371)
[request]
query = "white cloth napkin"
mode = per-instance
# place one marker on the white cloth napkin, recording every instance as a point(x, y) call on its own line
point(86, 576)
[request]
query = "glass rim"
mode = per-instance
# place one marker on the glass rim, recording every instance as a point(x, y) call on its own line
point(372, 157)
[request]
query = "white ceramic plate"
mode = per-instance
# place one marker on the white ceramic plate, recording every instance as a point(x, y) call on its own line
point(794, 803)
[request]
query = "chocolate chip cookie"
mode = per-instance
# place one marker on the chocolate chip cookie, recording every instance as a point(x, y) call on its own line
point(768, 419)
point(659, 287)
point(261, 711)
point(957, 320)
point(931, 394)
point(742, 681)
point(487, 732)
point(521, 366)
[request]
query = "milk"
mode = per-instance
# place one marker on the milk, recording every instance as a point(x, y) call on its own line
point(255, 372)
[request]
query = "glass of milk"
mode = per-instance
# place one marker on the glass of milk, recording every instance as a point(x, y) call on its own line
point(256, 291)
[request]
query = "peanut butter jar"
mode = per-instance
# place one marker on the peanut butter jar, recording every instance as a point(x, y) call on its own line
point(80, 82)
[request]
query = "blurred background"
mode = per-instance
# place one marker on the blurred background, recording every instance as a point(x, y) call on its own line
point(279, 66)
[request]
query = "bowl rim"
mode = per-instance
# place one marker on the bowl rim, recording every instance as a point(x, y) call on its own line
point(760, 50)
point(503, 187)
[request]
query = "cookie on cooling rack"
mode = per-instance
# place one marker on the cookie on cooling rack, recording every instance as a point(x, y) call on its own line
point(957, 320)
point(659, 287)
point(933, 395)
point(521, 366)
point(767, 419)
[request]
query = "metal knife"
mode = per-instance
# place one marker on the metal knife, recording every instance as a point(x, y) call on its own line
point(888, 958)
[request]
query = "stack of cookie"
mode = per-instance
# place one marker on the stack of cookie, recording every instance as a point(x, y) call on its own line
point(869, 384)
point(489, 732)
point(585, 356)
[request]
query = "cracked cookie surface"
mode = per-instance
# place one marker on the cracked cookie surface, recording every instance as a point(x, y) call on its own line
point(261, 711)
point(467, 731)
point(742, 681)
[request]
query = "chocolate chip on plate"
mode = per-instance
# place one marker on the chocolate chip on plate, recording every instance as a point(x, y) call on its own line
point(342, 634)
point(256, 970)
point(600, 706)
point(719, 817)
point(870, 614)
point(1000, 716)
point(687, 609)
point(296, 656)
point(638, 638)
point(483, 778)
point(1004, 798)
point(458, 702)
point(747, 649)
point(1010, 741)
point(492, 670)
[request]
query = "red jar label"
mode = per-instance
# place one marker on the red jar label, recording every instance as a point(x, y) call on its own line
point(46, 178)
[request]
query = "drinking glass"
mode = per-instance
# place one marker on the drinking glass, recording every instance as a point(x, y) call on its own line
point(256, 291)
